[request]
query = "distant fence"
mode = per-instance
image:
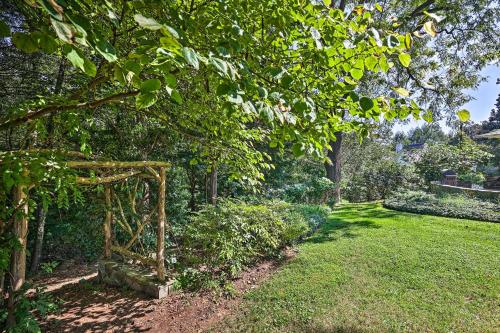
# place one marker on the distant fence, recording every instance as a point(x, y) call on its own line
point(491, 195)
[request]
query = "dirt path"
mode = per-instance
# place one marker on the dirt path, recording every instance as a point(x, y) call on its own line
point(88, 306)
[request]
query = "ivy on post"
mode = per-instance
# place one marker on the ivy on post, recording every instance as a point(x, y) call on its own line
point(18, 263)
point(107, 222)
point(160, 233)
point(18, 259)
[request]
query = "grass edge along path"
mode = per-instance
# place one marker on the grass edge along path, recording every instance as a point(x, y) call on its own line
point(370, 269)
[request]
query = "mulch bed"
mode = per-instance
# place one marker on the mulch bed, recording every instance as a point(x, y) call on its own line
point(88, 306)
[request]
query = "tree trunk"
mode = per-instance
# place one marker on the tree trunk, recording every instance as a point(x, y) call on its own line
point(41, 215)
point(213, 184)
point(333, 169)
point(192, 189)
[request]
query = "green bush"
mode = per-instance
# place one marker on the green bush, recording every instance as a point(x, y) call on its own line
point(448, 205)
point(218, 242)
point(314, 191)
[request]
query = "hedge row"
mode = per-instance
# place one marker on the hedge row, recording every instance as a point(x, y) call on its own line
point(444, 205)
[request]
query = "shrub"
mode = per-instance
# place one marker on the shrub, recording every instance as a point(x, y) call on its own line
point(462, 158)
point(314, 191)
point(218, 242)
point(444, 205)
point(378, 180)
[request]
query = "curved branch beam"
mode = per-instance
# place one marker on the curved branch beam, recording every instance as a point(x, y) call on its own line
point(116, 165)
point(106, 180)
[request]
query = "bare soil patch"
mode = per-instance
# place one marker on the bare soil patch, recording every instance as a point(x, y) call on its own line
point(89, 306)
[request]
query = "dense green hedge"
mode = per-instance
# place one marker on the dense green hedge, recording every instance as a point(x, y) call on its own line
point(218, 242)
point(444, 205)
point(493, 196)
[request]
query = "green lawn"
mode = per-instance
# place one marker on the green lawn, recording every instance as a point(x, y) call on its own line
point(370, 269)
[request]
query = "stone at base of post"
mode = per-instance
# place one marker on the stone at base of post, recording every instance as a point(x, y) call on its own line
point(120, 275)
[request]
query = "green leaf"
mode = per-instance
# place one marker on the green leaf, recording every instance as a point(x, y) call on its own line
point(249, 108)
point(356, 73)
point(430, 28)
point(106, 50)
point(89, 68)
point(220, 65)
point(170, 80)
point(133, 66)
point(402, 91)
point(298, 149)
point(371, 62)
point(327, 2)
point(463, 115)
point(366, 103)
point(150, 85)
point(378, 7)
point(224, 88)
point(145, 100)
point(191, 57)
point(427, 116)
point(176, 96)
point(265, 111)
point(384, 66)
point(392, 41)
point(262, 92)
point(24, 42)
point(44, 42)
point(235, 98)
point(63, 30)
point(52, 8)
point(404, 59)
point(408, 41)
point(147, 23)
point(4, 29)
point(75, 58)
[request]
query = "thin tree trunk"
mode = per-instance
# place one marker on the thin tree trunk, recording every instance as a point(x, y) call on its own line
point(213, 184)
point(334, 169)
point(192, 190)
point(41, 215)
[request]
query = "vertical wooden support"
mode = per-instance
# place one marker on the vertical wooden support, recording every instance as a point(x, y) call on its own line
point(160, 232)
point(20, 228)
point(107, 222)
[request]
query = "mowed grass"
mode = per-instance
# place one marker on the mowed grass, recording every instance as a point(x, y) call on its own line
point(370, 269)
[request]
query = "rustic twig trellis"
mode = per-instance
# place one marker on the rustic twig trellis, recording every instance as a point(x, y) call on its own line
point(145, 169)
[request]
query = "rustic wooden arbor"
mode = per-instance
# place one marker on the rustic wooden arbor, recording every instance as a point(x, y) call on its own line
point(145, 169)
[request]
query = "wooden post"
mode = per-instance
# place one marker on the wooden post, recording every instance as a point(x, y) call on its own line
point(18, 258)
point(20, 228)
point(160, 232)
point(107, 223)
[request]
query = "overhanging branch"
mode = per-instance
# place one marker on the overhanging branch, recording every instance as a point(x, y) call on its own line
point(60, 108)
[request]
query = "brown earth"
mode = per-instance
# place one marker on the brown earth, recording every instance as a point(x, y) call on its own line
point(88, 306)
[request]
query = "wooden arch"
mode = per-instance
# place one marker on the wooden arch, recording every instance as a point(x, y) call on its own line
point(146, 169)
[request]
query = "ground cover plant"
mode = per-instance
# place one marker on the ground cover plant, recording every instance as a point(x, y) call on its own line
point(451, 205)
point(371, 269)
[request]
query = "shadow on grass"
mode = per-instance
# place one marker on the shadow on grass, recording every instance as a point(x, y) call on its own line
point(346, 219)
